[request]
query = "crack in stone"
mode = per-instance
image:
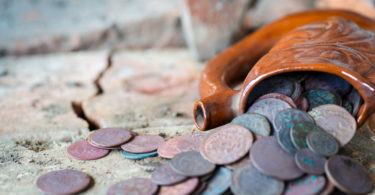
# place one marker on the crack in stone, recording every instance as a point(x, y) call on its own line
point(77, 108)
point(100, 75)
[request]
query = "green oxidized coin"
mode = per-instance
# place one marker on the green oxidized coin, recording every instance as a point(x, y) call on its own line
point(299, 132)
point(347, 105)
point(317, 97)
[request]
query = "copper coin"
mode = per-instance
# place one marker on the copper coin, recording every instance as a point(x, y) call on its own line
point(243, 161)
point(299, 132)
point(286, 118)
point(82, 150)
point(356, 100)
point(165, 175)
point(247, 180)
point(226, 144)
point(310, 162)
point(310, 184)
point(302, 103)
point(347, 105)
point(169, 148)
point(278, 96)
point(317, 97)
point(348, 175)
point(102, 147)
point(256, 123)
point(283, 137)
point(277, 84)
point(143, 144)
point(190, 142)
point(270, 159)
point(297, 90)
point(328, 188)
point(322, 143)
point(183, 188)
point(191, 164)
point(110, 137)
point(328, 82)
point(219, 183)
point(268, 107)
point(336, 121)
point(63, 182)
point(133, 186)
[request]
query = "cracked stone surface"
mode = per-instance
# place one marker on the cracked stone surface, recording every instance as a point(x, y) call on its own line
point(150, 92)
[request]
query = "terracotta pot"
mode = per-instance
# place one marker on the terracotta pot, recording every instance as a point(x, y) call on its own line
point(337, 42)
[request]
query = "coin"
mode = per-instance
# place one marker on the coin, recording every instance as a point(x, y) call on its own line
point(165, 175)
point(247, 180)
point(327, 81)
point(191, 164)
point(297, 91)
point(310, 184)
point(219, 183)
point(63, 182)
point(269, 158)
point(355, 99)
point(277, 84)
point(285, 119)
point(268, 107)
point(136, 156)
point(169, 148)
point(82, 150)
point(133, 186)
point(199, 190)
point(299, 132)
point(322, 143)
point(328, 188)
point(310, 162)
point(256, 123)
point(336, 121)
point(302, 103)
point(143, 144)
point(347, 105)
point(102, 147)
point(317, 97)
point(190, 142)
point(284, 140)
point(185, 187)
point(348, 175)
point(278, 96)
point(110, 137)
point(243, 161)
point(226, 144)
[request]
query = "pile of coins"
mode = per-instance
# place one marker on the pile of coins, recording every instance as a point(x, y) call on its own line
point(286, 143)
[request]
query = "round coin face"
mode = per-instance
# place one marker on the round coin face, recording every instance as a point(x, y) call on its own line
point(191, 164)
point(247, 180)
point(133, 186)
point(256, 123)
point(322, 143)
point(299, 132)
point(310, 162)
point(165, 175)
point(310, 184)
point(186, 187)
point(190, 142)
point(169, 148)
point(268, 107)
point(317, 97)
point(336, 121)
point(110, 137)
point(243, 161)
point(219, 183)
point(226, 144)
point(278, 96)
point(143, 144)
point(283, 137)
point(270, 159)
point(63, 182)
point(82, 150)
point(327, 81)
point(348, 175)
point(285, 119)
point(302, 103)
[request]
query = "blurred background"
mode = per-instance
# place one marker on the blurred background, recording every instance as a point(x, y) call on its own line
point(40, 26)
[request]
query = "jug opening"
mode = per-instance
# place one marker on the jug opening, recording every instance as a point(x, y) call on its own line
point(316, 87)
point(199, 116)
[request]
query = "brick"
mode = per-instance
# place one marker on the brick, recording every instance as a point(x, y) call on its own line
point(209, 25)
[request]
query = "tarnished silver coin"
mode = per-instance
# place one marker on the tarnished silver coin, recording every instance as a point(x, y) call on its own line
point(322, 143)
point(247, 180)
point(268, 107)
point(256, 123)
point(336, 121)
point(191, 164)
point(299, 132)
point(226, 144)
point(310, 162)
point(270, 159)
point(165, 175)
point(348, 175)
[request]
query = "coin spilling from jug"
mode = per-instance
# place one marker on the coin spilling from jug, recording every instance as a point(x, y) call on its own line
point(287, 142)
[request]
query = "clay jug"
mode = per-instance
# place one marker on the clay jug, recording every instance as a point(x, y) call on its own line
point(336, 42)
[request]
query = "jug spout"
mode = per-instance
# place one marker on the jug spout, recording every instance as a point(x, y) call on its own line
point(215, 110)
